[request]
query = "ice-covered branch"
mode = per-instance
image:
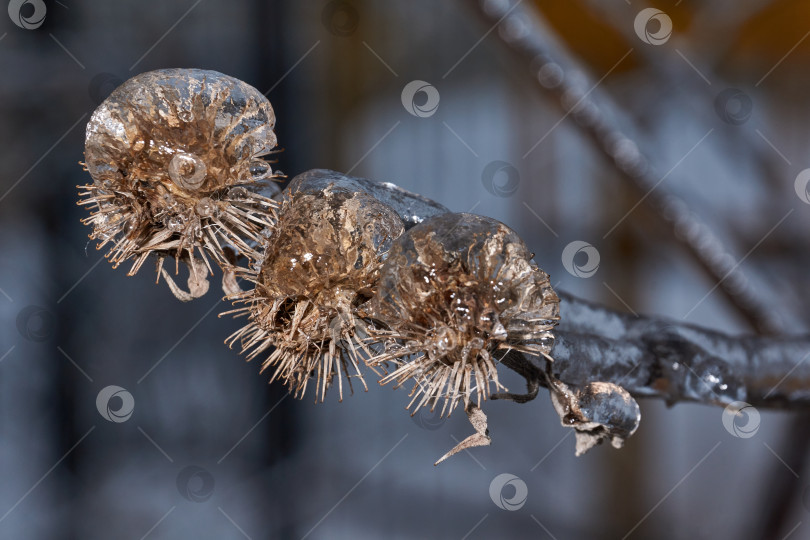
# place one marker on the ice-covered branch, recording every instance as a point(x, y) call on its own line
point(656, 357)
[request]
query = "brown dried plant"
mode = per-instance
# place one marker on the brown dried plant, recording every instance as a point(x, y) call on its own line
point(177, 157)
point(454, 290)
point(320, 266)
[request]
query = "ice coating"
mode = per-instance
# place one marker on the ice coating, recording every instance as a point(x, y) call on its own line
point(154, 117)
point(411, 207)
point(321, 263)
point(326, 244)
point(168, 152)
point(601, 411)
point(454, 290)
point(473, 269)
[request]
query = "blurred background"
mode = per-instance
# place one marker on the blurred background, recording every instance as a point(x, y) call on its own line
point(631, 132)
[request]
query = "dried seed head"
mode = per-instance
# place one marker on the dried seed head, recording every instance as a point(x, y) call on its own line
point(321, 263)
point(453, 290)
point(167, 151)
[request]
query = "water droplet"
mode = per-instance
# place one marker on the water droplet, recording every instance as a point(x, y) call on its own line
point(175, 224)
point(206, 207)
point(238, 193)
point(260, 169)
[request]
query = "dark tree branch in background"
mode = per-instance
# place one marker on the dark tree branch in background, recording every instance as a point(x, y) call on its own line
point(520, 29)
point(671, 70)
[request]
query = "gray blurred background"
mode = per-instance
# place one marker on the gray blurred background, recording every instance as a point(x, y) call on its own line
point(211, 451)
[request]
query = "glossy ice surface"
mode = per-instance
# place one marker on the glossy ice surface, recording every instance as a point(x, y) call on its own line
point(191, 129)
point(412, 208)
point(321, 262)
point(169, 152)
point(328, 241)
point(469, 273)
point(454, 290)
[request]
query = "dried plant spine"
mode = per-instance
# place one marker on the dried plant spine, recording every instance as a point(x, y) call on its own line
point(321, 265)
point(454, 290)
point(175, 156)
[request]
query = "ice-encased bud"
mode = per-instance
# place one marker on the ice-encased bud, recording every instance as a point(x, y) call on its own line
point(163, 150)
point(327, 242)
point(470, 273)
point(454, 290)
point(135, 134)
point(321, 264)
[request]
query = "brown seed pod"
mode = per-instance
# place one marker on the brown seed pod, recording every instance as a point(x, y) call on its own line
point(176, 157)
point(321, 264)
point(453, 290)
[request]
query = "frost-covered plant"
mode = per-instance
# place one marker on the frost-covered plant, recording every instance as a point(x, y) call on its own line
point(455, 290)
point(345, 272)
point(175, 156)
point(320, 266)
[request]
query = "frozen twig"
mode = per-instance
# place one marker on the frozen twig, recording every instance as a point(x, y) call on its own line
point(656, 357)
